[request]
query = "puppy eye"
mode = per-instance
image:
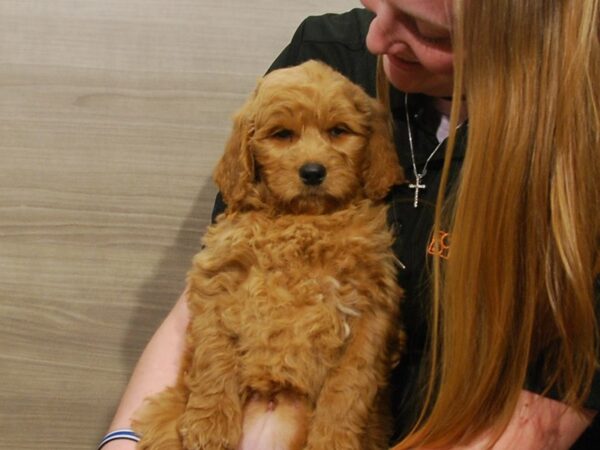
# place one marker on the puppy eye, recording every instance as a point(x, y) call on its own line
point(338, 131)
point(283, 134)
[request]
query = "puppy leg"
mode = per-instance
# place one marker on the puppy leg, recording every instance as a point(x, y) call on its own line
point(212, 419)
point(156, 423)
point(379, 423)
point(349, 393)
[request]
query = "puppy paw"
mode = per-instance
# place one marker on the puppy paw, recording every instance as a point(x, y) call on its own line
point(201, 430)
point(333, 439)
point(191, 442)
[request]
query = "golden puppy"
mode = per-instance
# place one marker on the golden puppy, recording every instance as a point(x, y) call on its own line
point(293, 298)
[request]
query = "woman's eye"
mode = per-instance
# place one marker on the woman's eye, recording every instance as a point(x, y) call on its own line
point(283, 134)
point(435, 40)
point(338, 130)
point(430, 33)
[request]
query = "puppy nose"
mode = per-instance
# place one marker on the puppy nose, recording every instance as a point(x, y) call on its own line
point(312, 174)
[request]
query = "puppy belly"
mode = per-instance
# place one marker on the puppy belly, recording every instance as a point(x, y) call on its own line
point(276, 422)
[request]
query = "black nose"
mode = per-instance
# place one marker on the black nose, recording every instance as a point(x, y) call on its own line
point(312, 174)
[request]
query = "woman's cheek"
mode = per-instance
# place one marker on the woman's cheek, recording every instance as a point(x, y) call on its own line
point(435, 60)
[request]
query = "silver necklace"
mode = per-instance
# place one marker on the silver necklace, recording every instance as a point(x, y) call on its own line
point(417, 185)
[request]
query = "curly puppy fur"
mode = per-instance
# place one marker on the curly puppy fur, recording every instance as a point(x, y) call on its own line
point(293, 299)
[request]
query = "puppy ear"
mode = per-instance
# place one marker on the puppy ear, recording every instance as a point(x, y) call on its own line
point(234, 174)
point(381, 168)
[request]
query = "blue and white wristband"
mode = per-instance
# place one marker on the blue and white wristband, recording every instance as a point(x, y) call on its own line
point(124, 433)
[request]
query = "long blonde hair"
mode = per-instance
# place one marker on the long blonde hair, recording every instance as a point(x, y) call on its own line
point(524, 226)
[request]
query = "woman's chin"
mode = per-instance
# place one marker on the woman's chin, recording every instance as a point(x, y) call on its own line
point(413, 77)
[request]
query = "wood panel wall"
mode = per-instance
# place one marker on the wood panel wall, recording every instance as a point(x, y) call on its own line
point(112, 116)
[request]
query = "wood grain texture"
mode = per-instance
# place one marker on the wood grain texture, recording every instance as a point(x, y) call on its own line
point(112, 116)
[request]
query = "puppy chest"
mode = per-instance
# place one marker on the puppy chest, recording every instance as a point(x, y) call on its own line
point(295, 310)
point(275, 308)
point(303, 290)
point(290, 329)
point(305, 278)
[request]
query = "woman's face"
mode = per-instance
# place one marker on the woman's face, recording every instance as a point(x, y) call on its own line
point(414, 38)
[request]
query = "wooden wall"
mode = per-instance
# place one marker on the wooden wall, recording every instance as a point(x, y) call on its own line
point(112, 116)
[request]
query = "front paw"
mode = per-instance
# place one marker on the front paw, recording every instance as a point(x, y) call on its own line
point(332, 438)
point(209, 430)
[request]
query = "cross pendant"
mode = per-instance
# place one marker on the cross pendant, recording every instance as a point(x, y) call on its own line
point(417, 186)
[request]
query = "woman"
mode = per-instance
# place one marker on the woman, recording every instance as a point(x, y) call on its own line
point(511, 315)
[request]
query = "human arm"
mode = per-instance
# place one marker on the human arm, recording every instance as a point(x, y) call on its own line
point(543, 423)
point(538, 423)
point(156, 369)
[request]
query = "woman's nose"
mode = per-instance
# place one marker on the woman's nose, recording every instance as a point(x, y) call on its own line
point(383, 31)
point(376, 39)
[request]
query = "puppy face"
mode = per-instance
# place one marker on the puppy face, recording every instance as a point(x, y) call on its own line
point(308, 141)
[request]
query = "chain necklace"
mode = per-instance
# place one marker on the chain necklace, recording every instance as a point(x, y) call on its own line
point(417, 185)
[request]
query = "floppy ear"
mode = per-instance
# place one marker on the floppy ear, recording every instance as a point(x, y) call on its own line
point(381, 168)
point(234, 174)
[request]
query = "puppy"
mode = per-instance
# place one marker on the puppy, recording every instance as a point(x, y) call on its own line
point(293, 299)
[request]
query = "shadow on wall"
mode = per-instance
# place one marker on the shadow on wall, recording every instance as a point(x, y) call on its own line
point(160, 292)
